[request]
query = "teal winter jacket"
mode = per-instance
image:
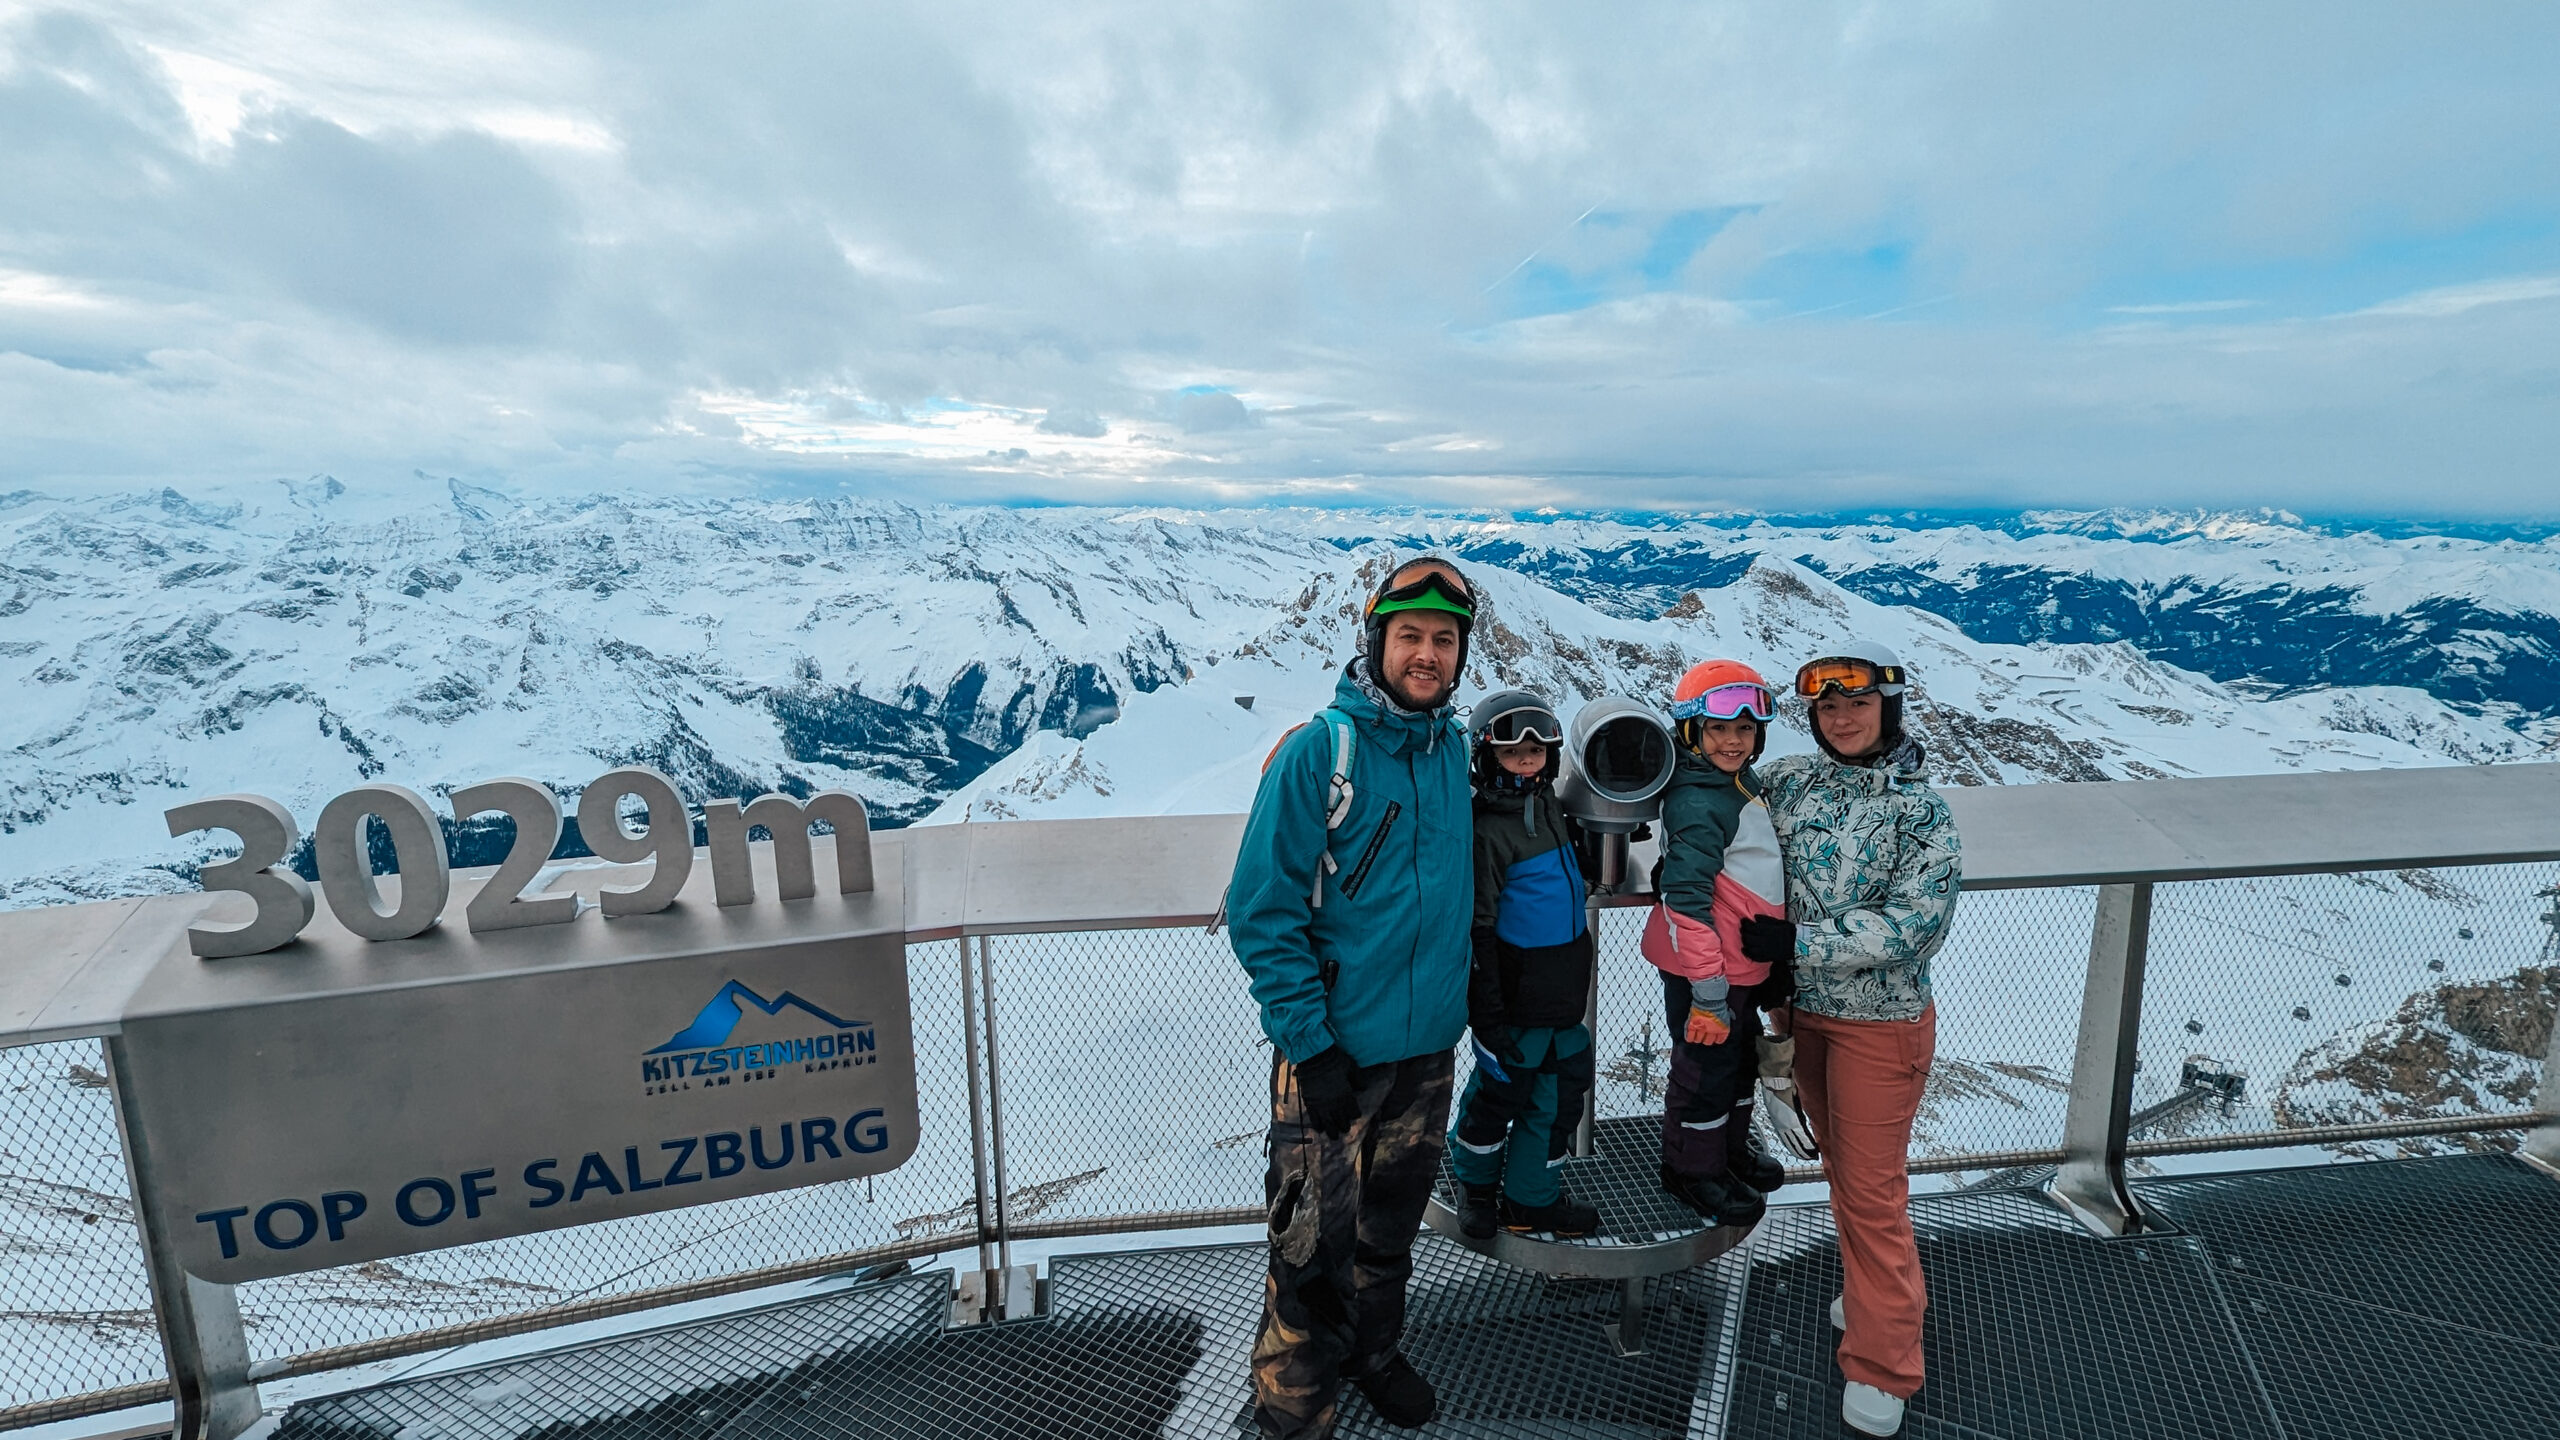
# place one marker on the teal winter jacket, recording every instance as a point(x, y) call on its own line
point(1380, 967)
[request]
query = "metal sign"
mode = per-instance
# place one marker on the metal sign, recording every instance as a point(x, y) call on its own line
point(344, 1099)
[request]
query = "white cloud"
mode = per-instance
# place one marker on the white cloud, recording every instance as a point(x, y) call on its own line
point(2182, 307)
point(2457, 299)
point(1842, 253)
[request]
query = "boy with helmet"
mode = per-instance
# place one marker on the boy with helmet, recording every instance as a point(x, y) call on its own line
point(1530, 979)
point(1720, 876)
point(1349, 910)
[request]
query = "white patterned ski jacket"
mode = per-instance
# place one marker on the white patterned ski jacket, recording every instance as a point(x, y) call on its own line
point(1873, 869)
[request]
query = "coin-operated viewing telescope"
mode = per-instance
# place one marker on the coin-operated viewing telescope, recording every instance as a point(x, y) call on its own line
point(1618, 759)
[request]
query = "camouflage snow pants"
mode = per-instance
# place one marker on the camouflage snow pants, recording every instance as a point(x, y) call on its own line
point(1344, 1210)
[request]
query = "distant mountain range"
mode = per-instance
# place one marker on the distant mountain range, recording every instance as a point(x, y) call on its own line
point(300, 640)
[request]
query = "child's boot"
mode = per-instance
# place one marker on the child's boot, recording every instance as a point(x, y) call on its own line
point(1563, 1217)
point(1720, 1199)
point(1753, 1165)
point(1476, 1211)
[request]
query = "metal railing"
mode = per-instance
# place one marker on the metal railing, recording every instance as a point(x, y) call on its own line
point(1090, 1064)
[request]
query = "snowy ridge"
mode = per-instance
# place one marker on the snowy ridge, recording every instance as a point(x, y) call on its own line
point(1989, 714)
point(303, 637)
point(2258, 599)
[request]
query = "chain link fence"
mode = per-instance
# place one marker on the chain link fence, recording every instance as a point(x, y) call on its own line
point(75, 1298)
point(1131, 1072)
point(2290, 1001)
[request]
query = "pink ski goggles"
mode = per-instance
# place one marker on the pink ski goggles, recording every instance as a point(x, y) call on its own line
point(1728, 702)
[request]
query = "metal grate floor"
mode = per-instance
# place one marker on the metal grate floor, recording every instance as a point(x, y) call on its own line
point(2403, 1298)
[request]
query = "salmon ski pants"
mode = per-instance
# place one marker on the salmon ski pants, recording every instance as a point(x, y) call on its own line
point(1861, 1082)
point(1343, 1211)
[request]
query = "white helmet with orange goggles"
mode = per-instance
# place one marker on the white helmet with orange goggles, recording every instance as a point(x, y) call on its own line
point(1720, 690)
point(1860, 668)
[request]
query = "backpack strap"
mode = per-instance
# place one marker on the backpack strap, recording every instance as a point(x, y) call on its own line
point(1337, 800)
point(1338, 795)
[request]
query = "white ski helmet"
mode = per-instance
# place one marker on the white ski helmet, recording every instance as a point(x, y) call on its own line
point(1859, 667)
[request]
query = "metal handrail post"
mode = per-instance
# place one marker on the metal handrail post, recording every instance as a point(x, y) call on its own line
point(995, 1099)
point(1586, 1126)
point(2541, 1145)
point(2090, 1183)
point(200, 1332)
point(1612, 856)
point(977, 1125)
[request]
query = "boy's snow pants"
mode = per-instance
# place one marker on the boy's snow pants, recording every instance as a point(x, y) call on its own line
point(1518, 1130)
point(1861, 1081)
point(1709, 1102)
point(1343, 1211)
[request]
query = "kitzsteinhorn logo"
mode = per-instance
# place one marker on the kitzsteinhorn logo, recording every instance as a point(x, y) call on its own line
point(700, 1054)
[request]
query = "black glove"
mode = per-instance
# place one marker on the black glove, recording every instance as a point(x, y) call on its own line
point(1325, 1084)
point(1497, 1038)
point(1779, 990)
point(1769, 940)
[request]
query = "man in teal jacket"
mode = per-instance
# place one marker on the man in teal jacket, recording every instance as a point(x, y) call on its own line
point(1355, 936)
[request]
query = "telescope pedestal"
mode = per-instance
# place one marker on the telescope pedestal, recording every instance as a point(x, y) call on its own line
point(1642, 1233)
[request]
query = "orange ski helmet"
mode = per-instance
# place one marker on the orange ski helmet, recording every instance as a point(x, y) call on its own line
point(1721, 690)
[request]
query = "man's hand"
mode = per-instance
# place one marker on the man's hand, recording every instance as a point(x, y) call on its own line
point(1325, 1084)
point(1495, 1048)
point(1769, 940)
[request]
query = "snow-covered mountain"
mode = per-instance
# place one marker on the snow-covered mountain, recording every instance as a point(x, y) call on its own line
point(304, 638)
point(1988, 713)
point(2265, 600)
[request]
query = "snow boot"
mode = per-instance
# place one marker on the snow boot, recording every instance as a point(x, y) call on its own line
point(1756, 1167)
point(1563, 1217)
point(1719, 1199)
point(1398, 1392)
point(1870, 1411)
point(1476, 1212)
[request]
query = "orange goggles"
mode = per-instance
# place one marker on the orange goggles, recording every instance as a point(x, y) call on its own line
point(1849, 677)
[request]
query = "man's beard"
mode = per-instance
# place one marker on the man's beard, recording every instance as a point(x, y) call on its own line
point(1403, 696)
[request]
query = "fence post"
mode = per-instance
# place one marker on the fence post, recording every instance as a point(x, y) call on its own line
point(2090, 1183)
point(200, 1330)
point(2541, 1145)
point(995, 1100)
point(977, 1122)
point(1586, 1125)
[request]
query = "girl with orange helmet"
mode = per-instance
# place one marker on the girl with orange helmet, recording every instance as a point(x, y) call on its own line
point(1720, 870)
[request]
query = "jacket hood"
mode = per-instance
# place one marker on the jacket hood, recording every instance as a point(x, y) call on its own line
point(1505, 801)
point(1903, 760)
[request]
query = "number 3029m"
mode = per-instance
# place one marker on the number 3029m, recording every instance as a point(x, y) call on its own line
point(285, 904)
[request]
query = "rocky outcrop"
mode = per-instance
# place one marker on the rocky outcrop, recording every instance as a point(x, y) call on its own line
point(2466, 1048)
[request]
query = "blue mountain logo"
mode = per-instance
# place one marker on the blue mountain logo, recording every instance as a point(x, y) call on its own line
point(711, 1029)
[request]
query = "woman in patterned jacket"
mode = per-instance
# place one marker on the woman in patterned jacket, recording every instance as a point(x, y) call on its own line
point(1872, 867)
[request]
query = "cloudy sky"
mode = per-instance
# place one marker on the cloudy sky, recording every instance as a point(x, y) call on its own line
point(1696, 255)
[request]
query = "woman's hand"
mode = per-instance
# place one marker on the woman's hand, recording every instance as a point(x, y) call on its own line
point(1769, 939)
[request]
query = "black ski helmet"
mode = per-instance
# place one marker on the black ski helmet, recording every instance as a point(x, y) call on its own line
point(1506, 717)
point(1442, 587)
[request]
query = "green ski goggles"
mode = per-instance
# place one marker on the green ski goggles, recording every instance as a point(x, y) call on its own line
point(1435, 589)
